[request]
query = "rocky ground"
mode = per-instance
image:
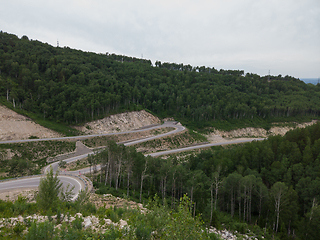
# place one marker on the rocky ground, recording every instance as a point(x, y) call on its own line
point(89, 222)
point(14, 126)
point(120, 123)
point(220, 136)
point(228, 235)
point(108, 200)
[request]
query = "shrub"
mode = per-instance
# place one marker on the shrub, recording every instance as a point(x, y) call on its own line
point(77, 223)
point(40, 231)
point(143, 231)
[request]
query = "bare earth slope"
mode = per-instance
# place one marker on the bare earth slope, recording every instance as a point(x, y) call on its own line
point(120, 123)
point(220, 136)
point(14, 126)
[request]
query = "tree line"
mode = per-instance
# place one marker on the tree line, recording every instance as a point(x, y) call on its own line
point(274, 183)
point(73, 86)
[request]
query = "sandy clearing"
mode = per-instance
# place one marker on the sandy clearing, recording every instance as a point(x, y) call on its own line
point(14, 126)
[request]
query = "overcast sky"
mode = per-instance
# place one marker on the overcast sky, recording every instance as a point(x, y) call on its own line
point(256, 36)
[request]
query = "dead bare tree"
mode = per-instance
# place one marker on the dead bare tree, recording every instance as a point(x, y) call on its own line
point(143, 176)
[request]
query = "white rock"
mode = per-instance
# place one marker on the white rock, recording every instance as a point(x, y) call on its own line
point(95, 220)
point(58, 226)
point(108, 221)
point(87, 223)
point(123, 223)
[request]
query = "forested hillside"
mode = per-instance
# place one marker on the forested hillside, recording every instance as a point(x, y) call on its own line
point(271, 187)
point(73, 86)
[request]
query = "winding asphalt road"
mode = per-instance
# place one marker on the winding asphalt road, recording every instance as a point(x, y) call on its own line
point(73, 180)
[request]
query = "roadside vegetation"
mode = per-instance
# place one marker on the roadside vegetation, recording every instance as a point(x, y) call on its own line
point(20, 159)
point(179, 140)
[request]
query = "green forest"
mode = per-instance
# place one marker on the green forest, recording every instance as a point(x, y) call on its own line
point(271, 187)
point(71, 86)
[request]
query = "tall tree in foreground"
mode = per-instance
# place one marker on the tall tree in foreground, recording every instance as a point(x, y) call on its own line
point(51, 192)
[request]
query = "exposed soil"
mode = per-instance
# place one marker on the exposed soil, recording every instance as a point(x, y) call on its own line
point(120, 123)
point(12, 195)
point(220, 136)
point(14, 126)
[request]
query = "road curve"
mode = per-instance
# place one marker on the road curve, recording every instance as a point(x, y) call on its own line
point(34, 181)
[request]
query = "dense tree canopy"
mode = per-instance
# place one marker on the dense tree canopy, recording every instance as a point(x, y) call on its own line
point(72, 86)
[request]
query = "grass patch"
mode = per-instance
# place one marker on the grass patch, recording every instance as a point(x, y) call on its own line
point(197, 136)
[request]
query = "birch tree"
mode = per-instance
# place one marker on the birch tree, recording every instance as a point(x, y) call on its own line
point(214, 187)
point(143, 175)
point(278, 190)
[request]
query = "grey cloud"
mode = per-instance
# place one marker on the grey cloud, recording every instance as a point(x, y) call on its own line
point(253, 35)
